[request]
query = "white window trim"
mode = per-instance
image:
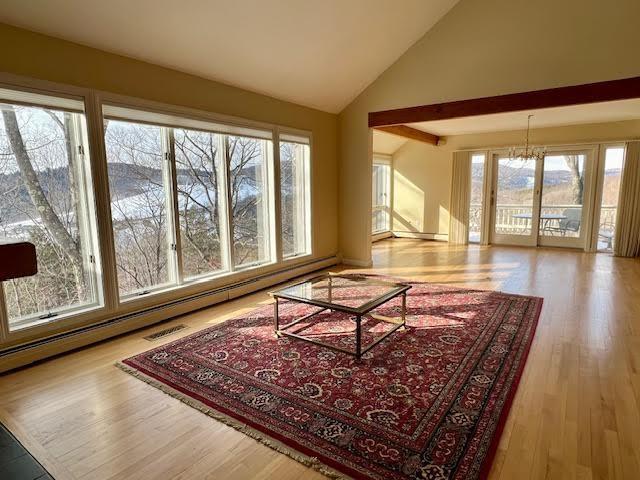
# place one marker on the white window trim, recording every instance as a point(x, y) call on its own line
point(486, 194)
point(293, 135)
point(176, 278)
point(599, 171)
point(86, 214)
point(112, 307)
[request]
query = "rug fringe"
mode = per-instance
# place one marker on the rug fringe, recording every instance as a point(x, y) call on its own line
point(311, 462)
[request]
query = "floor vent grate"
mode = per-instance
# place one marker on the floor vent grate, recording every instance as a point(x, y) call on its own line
point(164, 333)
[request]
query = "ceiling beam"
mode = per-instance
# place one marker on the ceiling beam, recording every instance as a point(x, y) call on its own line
point(411, 133)
point(553, 97)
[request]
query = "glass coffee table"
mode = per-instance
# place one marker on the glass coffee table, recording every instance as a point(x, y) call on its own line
point(356, 295)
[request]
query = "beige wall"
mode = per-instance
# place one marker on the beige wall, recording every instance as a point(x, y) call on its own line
point(421, 188)
point(42, 57)
point(483, 48)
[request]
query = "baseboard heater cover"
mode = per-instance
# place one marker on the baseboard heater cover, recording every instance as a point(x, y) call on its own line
point(329, 261)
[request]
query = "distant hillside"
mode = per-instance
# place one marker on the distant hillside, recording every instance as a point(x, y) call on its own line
point(515, 178)
point(125, 180)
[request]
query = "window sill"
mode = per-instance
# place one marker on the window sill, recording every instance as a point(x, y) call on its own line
point(26, 324)
point(297, 256)
point(193, 286)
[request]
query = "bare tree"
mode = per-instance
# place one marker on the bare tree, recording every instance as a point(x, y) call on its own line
point(198, 164)
point(577, 179)
point(41, 199)
point(287, 175)
point(30, 178)
point(138, 204)
point(244, 156)
point(40, 203)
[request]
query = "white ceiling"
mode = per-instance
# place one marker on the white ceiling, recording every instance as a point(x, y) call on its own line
point(548, 117)
point(319, 53)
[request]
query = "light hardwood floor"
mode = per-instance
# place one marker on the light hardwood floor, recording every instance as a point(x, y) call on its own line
point(576, 414)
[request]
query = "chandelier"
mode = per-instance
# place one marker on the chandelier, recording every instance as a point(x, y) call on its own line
point(528, 153)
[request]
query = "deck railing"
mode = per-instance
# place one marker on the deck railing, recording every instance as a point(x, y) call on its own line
point(506, 222)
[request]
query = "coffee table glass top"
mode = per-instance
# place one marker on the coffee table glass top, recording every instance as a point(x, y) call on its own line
point(355, 293)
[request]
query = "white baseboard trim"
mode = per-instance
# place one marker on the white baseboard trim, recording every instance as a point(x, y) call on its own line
point(24, 354)
point(381, 236)
point(357, 263)
point(440, 237)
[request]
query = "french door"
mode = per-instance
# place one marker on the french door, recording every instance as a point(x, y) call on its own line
point(545, 202)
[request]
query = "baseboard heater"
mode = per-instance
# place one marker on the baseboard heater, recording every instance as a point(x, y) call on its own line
point(321, 263)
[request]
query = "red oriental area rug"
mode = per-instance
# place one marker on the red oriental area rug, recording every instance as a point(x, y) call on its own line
point(429, 402)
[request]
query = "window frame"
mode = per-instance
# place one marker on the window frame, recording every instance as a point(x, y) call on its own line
point(225, 250)
point(112, 309)
point(168, 168)
point(82, 163)
point(599, 174)
point(141, 115)
point(268, 205)
point(485, 193)
point(290, 135)
point(199, 118)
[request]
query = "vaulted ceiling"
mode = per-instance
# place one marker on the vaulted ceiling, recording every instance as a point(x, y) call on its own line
point(320, 54)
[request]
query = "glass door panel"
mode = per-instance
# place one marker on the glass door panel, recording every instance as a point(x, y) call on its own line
point(563, 199)
point(514, 212)
point(613, 163)
point(477, 201)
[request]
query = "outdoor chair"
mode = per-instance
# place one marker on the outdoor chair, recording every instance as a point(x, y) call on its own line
point(572, 221)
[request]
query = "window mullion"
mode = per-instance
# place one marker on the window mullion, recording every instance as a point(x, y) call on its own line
point(226, 222)
point(308, 175)
point(275, 193)
point(171, 196)
point(85, 212)
point(277, 232)
point(4, 318)
point(108, 273)
point(301, 200)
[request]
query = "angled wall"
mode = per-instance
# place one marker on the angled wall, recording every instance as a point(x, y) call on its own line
point(422, 188)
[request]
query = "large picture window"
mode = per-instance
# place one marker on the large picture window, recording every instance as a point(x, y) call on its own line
point(189, 199)
point(295, 196)
point(45, 199)
point(186, 199)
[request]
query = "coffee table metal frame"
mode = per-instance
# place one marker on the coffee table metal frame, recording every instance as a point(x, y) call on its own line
point(363, 310)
